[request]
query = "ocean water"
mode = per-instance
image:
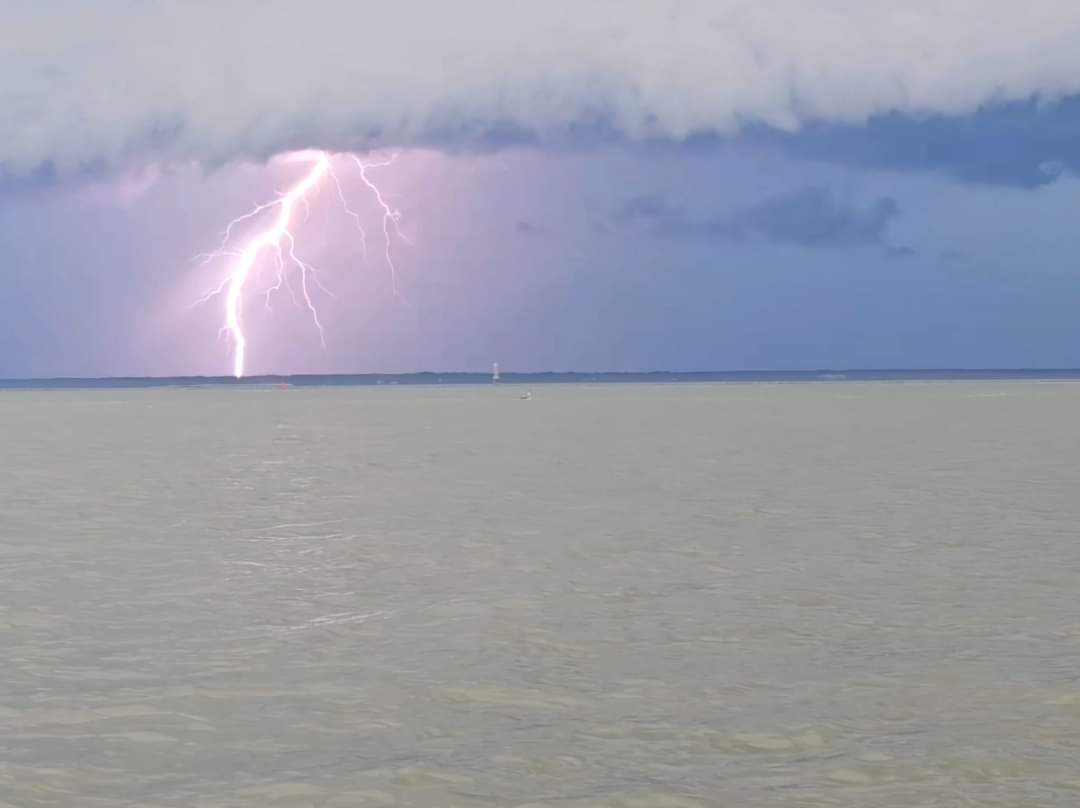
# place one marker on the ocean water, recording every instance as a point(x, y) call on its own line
point(843, 594)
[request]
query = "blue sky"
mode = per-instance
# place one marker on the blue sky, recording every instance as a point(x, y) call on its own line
point(839, 227)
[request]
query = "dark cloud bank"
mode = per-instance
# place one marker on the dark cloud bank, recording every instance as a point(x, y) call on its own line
point(810, 217)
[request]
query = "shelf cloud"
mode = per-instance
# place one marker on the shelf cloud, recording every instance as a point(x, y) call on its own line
point(97, 87)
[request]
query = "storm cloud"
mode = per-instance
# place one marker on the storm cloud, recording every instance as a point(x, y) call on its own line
point(93, 87)
point(809, 217)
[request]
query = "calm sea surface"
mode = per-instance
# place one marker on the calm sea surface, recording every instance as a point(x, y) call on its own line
point(846, 594)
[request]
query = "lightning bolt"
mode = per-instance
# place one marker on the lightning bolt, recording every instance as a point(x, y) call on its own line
point(279, 239)
point(390, 217)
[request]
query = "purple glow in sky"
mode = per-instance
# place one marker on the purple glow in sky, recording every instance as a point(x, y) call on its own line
point(679, 184)
point(276, 242)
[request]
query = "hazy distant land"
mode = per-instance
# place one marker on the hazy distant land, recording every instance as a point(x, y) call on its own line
point(552, 377)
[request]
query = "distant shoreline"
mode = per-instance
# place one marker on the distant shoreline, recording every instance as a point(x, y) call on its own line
point(510, 378)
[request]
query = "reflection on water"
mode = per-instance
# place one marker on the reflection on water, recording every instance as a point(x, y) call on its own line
point(700, 595)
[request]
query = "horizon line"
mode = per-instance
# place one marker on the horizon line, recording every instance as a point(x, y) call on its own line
point(820, 374)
